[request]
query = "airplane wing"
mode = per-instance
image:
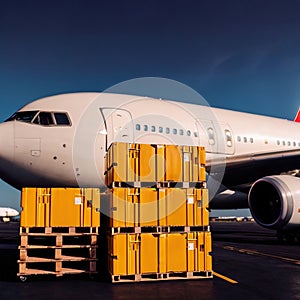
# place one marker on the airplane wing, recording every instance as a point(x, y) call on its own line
point(242, 171)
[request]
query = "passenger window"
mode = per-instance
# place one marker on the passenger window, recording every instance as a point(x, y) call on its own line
point(174, 131)
point(181, 131)
point(289, 143)
point(188, 133)
point(138, 127)
point(160, 129)
point(239, 139)
point(228, 138)
point(195, 134)
point(245, 140)
point(152, 128)
point(278, 142)
point(167, 130)
point(251, 140)
point(145, 127)
point(62, 119)
point(283, 143)
point(294, 144)
point(44, 118)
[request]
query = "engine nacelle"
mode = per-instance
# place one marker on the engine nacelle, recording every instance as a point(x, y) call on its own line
point(274, 202)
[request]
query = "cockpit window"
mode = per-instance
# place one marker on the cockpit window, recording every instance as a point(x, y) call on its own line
point(41, 118)
point(62, 119)
point(44, 118)
point(23, 116)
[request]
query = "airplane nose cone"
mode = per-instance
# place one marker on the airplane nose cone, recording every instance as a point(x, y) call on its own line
point(6, 148)
point(13, 212)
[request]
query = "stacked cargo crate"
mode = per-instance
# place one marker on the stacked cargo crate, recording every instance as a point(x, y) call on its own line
point(158, 212)
point(59, 231)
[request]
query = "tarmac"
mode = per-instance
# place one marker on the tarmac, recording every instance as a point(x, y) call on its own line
point(248, 263)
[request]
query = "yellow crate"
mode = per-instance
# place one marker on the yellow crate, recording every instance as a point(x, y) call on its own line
point(185, 163)
point(35, 207)
point(133, 207)
point(127, 162)
point(121, 208)
point(137, 254)
point(121, 163)
point(158, 207)
point(146, 253)
point(173, 162)
point(91, 207)
point(189, 252)
point(184, 207)
point(147, 163)
point(60, 207)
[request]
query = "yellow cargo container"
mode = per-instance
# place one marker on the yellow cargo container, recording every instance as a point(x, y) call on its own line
point(193, 163)
point(60, 207)
point(158, 207)
point(137, 254)
point(185, 207)
point(121, 163)
point(134, 207)
point(189, 252)
point(173, 161)
point(127, 163)
point(146, 253)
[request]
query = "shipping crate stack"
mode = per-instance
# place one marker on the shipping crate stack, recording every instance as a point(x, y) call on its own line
point(158, 224)
point(58, 231)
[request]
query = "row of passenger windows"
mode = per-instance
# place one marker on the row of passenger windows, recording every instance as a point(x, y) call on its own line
point(279, 143)
point(287, 143)
point(166, 130)
point(245, 139)
point(210, 132)
point(41, 118)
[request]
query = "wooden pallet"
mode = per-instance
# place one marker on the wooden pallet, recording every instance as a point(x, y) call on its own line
point(62, 230)
point(53, 253)
point(162, 276)
point(57, 251)
point(56, 268)
point(66, 240)
point(163, 184)
point(158, 229)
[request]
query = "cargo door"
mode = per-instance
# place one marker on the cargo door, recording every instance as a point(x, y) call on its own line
point(207, 135)
point(228, 139)
point(215, 137)
point(118, 125)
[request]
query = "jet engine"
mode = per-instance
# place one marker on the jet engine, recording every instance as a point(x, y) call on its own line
point(274, 202)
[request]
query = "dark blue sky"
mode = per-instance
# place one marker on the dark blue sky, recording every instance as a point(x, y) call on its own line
point(241, 55)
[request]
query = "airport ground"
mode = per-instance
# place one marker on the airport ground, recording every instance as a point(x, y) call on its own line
point(248, 263)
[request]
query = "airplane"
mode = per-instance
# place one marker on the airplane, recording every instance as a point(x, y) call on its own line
point(252, 160)
point(6, 213)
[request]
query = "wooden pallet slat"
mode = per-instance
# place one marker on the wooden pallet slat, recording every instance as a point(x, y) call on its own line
point(162, 276)
point(63, 230)
point(158, 229)
point(51, 244)
point(159, 184)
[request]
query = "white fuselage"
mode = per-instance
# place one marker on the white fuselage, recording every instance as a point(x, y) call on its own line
point(34, 154)
point(8, 212)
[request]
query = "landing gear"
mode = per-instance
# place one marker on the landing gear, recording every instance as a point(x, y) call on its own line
point(288, 237)
point(23, 278)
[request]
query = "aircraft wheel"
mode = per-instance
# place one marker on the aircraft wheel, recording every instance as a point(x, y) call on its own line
point(23, 278)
